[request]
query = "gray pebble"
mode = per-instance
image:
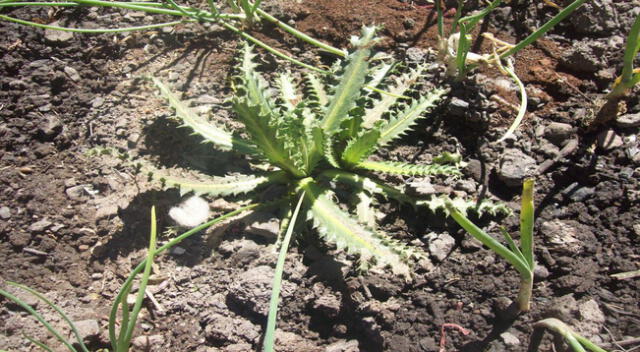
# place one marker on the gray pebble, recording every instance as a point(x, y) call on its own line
point(5, 213)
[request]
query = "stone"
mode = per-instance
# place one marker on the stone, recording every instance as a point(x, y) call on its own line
point(329, 304)
point(76, 193)
point(415, 54)
point(55, 36)
point(106, 211)
point(591, 318)
point(88, 329)
point(540, 272)
point(561, 234)
point(148, 343)
point(515, 166)
point(609, 140)
point(72, 73)
point(252, 289)
point(177, 250)
point(343, 346)
point(5, 213)
point(422, 187)
point(265, 226)
point(628, 120)
point(40, 226)
point(50, 128)
point(510, 339)
point(558, 133)
point(458, 107)
point(440, 245)
point(97, 102)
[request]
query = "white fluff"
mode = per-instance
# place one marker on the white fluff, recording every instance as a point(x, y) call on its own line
point(190, 213)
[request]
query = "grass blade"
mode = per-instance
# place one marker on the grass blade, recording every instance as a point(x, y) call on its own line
point(523, 101)
point(37, 343)
point(36, 315)
point(124, 345)
point(269, 337)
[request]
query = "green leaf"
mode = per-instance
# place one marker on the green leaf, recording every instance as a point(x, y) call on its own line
point(269, 338)
point(408, 169)
point(351, 83)
point(337, 226)
point(527, 221)
point(368, 184)
point(288, 92)
point(405, 119)
point(219, 186)
point(220, 138)
point(264, 135)
point(386, 101)
point(316, 90)
point(360, 147)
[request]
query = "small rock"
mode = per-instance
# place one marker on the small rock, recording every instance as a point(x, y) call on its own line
point(608, 140)
point(238, 347)
point(422, 187)
point(177, 250)
point(50, 128)
point(540, 272)
point(19, 239)
point(265, 226)
point(106, 211)
point(76, 192)
point(561, 234)
point(458, 107)
point(72, 73)
point(97, 102)
point(252, 289)
point(515, 166)
point(343, 346)
point(55, 36)
point(440, 245)
point(510, 339)
point(5, 213)
point(636, 229)
point(40, 226)
point(147, 343)
point(628, 120)
point(558, 133)
point(591, 318)
point(329, 304)
point(89, 329)
point(96, 276)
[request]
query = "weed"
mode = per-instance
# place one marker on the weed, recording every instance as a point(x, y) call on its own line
point(314, 141)
point(520, 257)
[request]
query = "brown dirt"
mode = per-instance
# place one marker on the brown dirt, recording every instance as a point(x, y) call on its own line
point(86, 217)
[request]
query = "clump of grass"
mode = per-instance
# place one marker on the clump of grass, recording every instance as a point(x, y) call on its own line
point(521, 257)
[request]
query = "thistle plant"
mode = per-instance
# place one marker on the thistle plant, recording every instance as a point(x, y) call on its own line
point(316, 143)
point(577, 342)
point(520, 257)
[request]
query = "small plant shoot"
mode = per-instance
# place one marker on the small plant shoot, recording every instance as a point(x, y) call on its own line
point(520, 257)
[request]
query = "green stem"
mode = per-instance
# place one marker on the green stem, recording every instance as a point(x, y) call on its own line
point(270, 49)
point(544, 29)
point(632, 47)
point(302, 36)
point(269, 338)
point(95, 30)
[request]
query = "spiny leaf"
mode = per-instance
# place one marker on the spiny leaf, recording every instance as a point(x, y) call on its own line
point(220, 138)
point(338, 227)
point(301, 137)
point(351, 83)
point(216, 186)
point(264, 135)
point(365, 211)
point(381, 106)
point(402, 122)
point(360, 147)
point(288, 92)
point(464, 206)
point(252, 86)
point(408, 169)
point(316, 90)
